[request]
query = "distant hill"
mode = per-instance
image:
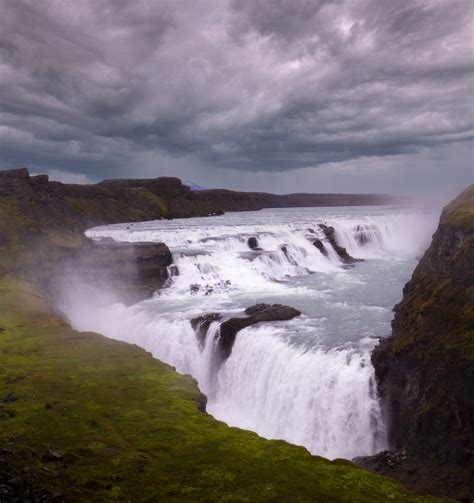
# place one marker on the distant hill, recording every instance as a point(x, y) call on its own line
point(126, 200)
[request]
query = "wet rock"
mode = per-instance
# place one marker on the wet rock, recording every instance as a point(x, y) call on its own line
point(194, 288)
point(320, 246)
point(255, 314)
point(253, 243)
point(173, 271)
point(330, 234)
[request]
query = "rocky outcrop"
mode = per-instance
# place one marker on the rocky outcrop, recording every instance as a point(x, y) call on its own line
point(135, 270)
point(425, 370)
point(230, 327)
point(330, 234)
point(320, 246)
point(252, 243)
point(255, 314)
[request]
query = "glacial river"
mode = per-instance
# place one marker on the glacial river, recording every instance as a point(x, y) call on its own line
point(309, 380)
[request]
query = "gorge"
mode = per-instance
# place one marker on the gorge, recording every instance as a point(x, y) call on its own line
point(308, 379)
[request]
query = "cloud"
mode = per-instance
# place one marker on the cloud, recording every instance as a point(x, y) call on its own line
point(107, 87)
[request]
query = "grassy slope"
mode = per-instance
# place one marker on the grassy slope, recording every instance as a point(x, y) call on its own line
point(129, 428)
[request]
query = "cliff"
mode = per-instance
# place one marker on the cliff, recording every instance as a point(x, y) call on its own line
point(425, 370)
point(112, 201)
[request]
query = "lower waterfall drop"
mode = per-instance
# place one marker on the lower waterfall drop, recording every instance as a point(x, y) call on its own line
point(310, 380)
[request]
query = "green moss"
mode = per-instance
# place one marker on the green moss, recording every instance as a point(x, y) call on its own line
point(87, 207)
point(129, 428)
point(461, 210)
point(152, 202)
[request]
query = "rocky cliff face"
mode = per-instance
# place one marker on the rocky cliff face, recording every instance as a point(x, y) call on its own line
point(425, 370)
point(111, 201)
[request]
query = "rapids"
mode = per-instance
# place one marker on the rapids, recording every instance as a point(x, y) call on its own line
point(309, 380)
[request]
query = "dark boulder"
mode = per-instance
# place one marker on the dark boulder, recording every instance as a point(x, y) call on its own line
point(255, 314)
point(330, 234)
point(253, 243)
point(320, 246)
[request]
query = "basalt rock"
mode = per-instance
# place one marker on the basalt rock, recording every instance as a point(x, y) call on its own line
point(425, 370)
point(320, 246)
point(143, 265)
point(252, 243)
point(330, 234)
point(255, 314)
point(23, 484)
point(134, 271)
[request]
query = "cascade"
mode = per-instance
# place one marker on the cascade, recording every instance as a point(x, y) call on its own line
point(308, 380)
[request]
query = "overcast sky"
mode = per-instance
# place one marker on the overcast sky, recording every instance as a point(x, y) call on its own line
point(277, 95)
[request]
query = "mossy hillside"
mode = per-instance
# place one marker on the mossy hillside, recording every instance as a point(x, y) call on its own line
point(135, 204)
point(438, 302)
point(425, 370)
point(461, 210)
point(15, 229)
point(129, 428)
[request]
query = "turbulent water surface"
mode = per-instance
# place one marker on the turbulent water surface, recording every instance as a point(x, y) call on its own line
point(308, 380)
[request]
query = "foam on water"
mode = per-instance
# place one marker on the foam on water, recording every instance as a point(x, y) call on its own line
point(309, 381)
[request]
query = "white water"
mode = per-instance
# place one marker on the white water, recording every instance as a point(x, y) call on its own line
point(308, 380)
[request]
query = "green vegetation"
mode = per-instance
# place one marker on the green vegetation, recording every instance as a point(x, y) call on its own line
point(426, 367)
point(439, 300)
point(461, 210)
point(127, 427)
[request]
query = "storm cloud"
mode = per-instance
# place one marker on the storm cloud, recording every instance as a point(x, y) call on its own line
point(118, 88)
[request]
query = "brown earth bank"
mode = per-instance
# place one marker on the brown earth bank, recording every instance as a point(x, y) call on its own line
point(425, 370)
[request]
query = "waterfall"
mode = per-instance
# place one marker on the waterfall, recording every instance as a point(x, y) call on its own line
point(309, 380)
